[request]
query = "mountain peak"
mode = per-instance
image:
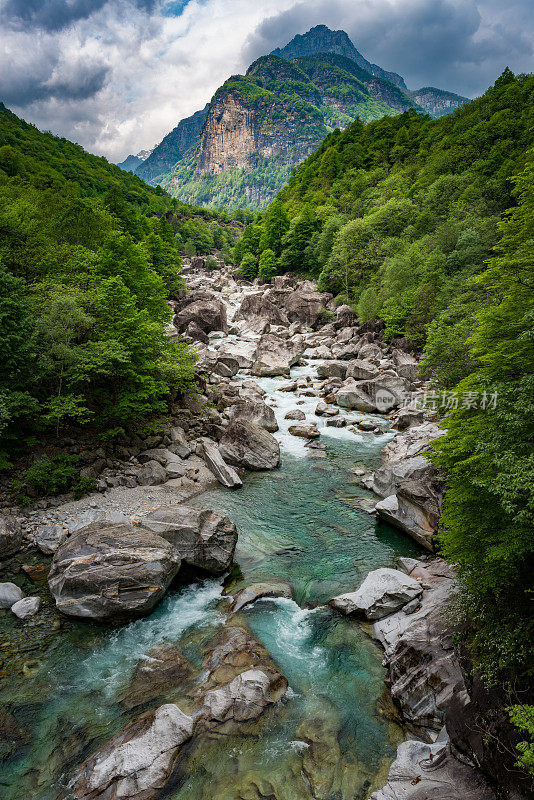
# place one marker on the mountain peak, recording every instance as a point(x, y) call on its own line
point(322, 39)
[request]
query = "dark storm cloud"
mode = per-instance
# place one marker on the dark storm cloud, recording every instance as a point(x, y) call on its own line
point(460, 46)
point(83, 81)
point(53, 15)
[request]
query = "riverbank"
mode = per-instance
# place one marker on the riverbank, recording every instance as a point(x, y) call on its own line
point(295, 526)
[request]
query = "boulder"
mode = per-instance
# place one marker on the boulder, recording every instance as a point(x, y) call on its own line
point(305, 306)
point(10, 536)
point(407, 417)
point(386, 391)
point(348, 352)
point(243, 352)
point(162, 671)
point(304, 431)
point(151, 474)
point(423, 771)
point(109, 571)
point(225, 474)
point(295, 414)
point(246, 444)
point(201, 538)
point(10, 594)
point(256, 591)
point(179, 444)
point(255, 411)
point(26, 608)
point(332, 369)
point(136, 763)
point(49, 537)
point(208, 315)
point(361, 370)
point(353, 397)
point(276, 356)
point(244, 697)
point(259, 305)
point(195, 333)
point(382, 592)
point(413, 511)
point(406, 365)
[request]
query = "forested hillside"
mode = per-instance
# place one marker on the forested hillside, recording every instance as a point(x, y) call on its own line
point(88, 257)
point(399, 218)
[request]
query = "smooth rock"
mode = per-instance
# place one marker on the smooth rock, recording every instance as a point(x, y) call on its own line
point(151, 474)
point(10, 536)
point(276, 356)
point(245, 444)
point(110, 571)
point(136, 763)
point(256, 591)
point(304, 431)
point(225, 474)
point(10, 594)
point(49, 537)
point(332, 369)
point(296, 414)
point(245, 696)
point(255, 411)
point(203, 539)
point(27, 607)
point(382, 592)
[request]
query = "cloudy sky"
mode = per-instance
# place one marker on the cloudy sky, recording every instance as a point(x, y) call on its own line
point(117, 75)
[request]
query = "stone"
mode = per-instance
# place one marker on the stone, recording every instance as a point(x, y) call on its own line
point(109, 571)
point(407, 417)
point(10, 536)
point(410, 517)
point(179, 444)
point(276, 356)
point(244, 697)
point(225, 474)
point(151, 474)
point(195, 333)
point(382, 592)
point(332, 369)
point(245, 444)
point(10, 594)
point(208, 315)
point(162, 670)
point(243, 352)
point(296, 414)
point(201, 538)
point(360, 370)
point(353, 397)
point(305, 305)
point(136, 763)
point(256, 591)
point(49, 537)
point(304, 431)
point(255, 411)
point(26, 608)
point(337, 422)
point(423, 771)
point(259, 305)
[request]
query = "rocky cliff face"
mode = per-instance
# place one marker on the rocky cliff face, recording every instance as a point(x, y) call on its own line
point(436, 102)
point(173, 146)
point(323, 40)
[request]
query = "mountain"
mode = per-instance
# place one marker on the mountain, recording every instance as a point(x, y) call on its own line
point(323, 40)
point(242, 147)
point(175, 145)
point(131, 163)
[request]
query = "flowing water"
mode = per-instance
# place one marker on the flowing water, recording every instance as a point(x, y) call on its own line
point(302, 524)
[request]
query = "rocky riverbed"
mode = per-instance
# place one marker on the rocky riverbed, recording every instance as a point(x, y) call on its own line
point(213, 549)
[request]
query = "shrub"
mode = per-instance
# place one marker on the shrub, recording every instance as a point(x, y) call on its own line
point(248, 269)
point(49, 476)
point(210, 263)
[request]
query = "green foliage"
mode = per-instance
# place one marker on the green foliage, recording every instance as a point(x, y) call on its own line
point(54, 475)
point(88, 257)
point(268, 267)
point(487, 454)
point(248, 268)
point(210, 263)
point(522, 716)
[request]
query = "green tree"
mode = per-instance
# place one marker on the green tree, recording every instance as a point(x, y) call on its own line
point(275, 227)
point(248, 269)
point(268, 268)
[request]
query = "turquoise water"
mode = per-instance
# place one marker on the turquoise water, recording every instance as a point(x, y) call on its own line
point(301, 524)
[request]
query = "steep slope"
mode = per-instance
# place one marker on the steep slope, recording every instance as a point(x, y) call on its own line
point(131, 162)
point(437, 102)
point(323, 40)
point(173, 146)
point(259, 126)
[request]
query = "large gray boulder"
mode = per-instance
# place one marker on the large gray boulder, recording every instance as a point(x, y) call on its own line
point(382, 592)
point(151, 474)
point(208, 315)
point(26, 608)
point(423, 670)
point(246, 444)
point(109, 571)
point(361, 370)
point(225, 474)
point(255, 411)
point(305, 306)
point(353, 397)
point(201, 538)
point(259, 305)
point(244, 697)
point(332, 369)
point(136, 763)
point(257, 591)
point(423, 771)
point(10, 536)
point(413, 510)
point(10, 594)
point(276, 356)
point(49, 537)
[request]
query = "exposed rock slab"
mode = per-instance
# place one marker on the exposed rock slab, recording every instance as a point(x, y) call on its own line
point(246, 444)
point(256, 591)
point(225, 474)
point(275, 356)
point(382, 592)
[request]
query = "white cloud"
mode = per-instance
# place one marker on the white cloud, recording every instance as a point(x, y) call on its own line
point(117, 75)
